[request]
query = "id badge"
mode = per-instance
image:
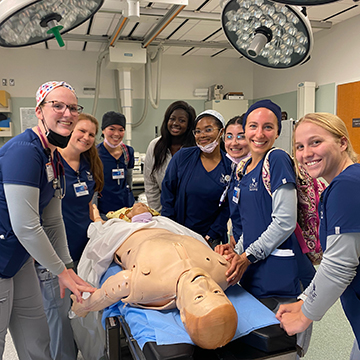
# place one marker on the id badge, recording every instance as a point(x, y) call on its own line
point(49, 172)
point(81, 189)
point(236, 195)
point(118, 174)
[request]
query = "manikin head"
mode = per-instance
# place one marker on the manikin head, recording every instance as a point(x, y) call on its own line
point(208, 315)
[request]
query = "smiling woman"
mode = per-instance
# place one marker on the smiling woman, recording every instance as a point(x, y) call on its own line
point(267, 259)
point(118, 164)
point(236, 145)
point(84, 176)
point(31, 184)
point(195, 183)
point(323, 147)
point(175, 133)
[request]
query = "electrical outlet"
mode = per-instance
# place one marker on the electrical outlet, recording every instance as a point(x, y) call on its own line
point(12, 82)
point(4, 82)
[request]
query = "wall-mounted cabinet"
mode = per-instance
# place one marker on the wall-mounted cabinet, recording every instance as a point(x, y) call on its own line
point(6, 129)
point(228, 108)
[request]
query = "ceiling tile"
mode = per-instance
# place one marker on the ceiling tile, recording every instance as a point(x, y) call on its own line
point(74, 45)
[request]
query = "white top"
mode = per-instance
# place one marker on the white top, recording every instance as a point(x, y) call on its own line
point(153, 181)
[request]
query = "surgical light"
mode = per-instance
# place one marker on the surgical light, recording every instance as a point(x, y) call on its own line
point(28, 22)
point(267, 33)
point(306, 2)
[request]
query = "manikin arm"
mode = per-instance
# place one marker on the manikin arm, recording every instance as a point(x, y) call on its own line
point(115, 288)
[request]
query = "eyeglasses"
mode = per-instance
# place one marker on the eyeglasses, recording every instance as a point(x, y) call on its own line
point(59, 107)
point(206, 131)
point(238, 137)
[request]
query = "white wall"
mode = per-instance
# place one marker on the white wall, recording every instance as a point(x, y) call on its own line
point(335, 59)
point(180, 75)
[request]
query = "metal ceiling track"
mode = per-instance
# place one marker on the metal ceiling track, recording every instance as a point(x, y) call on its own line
point(156, 42)
point(201, 15)
point(166, 17)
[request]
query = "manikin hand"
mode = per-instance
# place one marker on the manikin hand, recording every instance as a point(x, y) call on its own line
point(96, 214)
point(292, 319)
point(68, 279)
point(239, 263)
point(78, 307)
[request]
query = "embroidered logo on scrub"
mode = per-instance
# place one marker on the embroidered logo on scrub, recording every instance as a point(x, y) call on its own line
point(89, 176)
point(254, 185)
point(284, 181)
point(224, 179)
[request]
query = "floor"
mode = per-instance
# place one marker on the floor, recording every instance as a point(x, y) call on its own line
point(332, 338)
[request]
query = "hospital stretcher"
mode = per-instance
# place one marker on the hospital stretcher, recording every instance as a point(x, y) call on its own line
point(267, 342)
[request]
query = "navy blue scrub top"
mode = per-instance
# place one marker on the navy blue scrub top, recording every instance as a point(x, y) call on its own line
point(190, 195)
point(22, 162)
point(115, 194)
point(203, 192)
point(275, 275)
point(75, 209)
point(338, 215)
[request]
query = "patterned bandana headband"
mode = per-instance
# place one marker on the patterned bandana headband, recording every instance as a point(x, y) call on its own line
point(44, 89)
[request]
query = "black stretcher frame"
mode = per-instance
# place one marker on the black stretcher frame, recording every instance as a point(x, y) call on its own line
point(264, 343)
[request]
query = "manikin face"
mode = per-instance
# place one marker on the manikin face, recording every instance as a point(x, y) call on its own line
point(83, 136)
point(207, 130)
point(319, 151)
point(198, 292)
point(235, 142)
point(178, 122)
point(63, 124)
point(114, 134)
point(137, 209)
point(261, 131)
point(208, 315)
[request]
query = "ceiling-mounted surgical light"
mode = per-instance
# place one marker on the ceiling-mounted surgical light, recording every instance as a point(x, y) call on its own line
point(267, 33)
point(28, 22)
point(263, 35)
point(306, 2)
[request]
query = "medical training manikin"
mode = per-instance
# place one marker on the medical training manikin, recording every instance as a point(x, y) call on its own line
point(164, 270)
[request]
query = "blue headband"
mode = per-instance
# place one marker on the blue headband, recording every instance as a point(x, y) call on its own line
point(268, 104)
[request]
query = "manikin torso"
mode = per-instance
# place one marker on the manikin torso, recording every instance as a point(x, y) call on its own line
point(157, 258)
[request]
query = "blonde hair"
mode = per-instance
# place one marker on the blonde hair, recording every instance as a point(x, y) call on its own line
point(332, 124)
point(92, 155)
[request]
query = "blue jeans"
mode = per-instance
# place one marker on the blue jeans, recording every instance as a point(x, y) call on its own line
point(62, 343)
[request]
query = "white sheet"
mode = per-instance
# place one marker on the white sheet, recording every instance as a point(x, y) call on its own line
point(106, 238)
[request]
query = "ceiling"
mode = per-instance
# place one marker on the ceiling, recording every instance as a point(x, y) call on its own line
point(195, 30)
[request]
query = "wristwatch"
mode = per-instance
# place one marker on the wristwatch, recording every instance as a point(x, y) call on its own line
point(251, 257)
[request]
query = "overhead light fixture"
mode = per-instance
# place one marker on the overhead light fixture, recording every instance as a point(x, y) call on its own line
point(269, 34)
point(306, 2)
point(28, 22)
